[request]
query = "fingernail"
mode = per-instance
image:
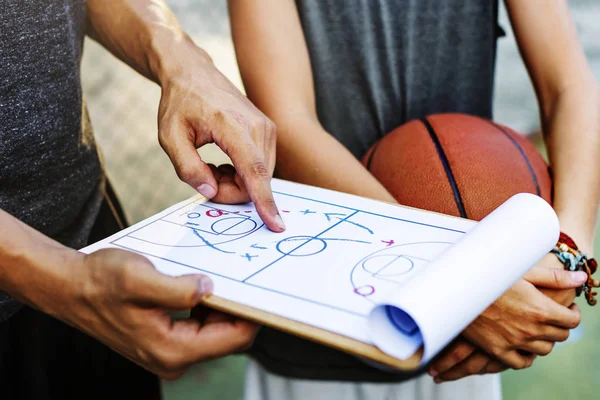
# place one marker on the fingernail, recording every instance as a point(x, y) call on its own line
point(437, 380)
point(207, 191)
point(580, 276)
point(205, 286)
point(279, 221)
point(433, 372)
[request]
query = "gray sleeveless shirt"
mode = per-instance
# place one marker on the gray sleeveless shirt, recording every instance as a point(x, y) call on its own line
point(376, 65)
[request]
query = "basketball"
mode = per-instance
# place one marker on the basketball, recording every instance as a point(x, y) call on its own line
point(458, 165)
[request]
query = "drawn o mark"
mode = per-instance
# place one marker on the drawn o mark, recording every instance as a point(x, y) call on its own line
point(233, 226)
point(194, 215)
point(301, 246)
point(214, 213)
point(386, 265)
point(365, 290)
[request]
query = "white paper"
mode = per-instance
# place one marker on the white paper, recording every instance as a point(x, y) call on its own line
point(450, 292)
point(340, 256)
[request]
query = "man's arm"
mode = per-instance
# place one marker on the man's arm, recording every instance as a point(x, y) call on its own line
point(118, 298)
point(275, 68)
point(198, 104)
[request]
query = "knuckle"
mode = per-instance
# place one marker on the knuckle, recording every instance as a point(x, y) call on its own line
point(542, 314)
point(576, 321)
point(472, 368)
point(529, 332)
point(260, 170)
point(185, 173)
point(270, 128)
point(546, 349)
point(246, 339)
point(460, 353)
point(168, 361)
point(564, 335)
point(496, 350)
point(521, 364)
point(130, 276)
point(171, 375)
point(163, 140)
point(558, 277)
point(524, 362)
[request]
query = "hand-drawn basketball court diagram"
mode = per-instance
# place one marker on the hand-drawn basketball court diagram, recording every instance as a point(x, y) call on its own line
point(214, 227)
point(231, 242)
point(392, 265)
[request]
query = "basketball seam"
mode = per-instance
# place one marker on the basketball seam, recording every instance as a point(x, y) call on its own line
point(372, 155)
point(518, 146)
point(446, 164)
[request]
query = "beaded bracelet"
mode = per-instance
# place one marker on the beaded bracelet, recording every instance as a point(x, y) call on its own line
point(574, 260)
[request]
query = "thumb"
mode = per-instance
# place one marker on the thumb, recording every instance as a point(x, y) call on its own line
point(180, 146)
point(553, 278)
point(173, 293)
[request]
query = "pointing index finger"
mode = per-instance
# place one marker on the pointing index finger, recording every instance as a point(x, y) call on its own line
point(257, 179)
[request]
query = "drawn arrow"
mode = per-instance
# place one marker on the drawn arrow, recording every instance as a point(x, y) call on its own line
point(329, 215)
point(256, 246)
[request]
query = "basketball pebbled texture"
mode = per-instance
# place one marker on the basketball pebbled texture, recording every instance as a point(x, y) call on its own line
point(458, 165)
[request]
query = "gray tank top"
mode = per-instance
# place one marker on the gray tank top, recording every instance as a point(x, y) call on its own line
point(50, 172)
point(378, 64)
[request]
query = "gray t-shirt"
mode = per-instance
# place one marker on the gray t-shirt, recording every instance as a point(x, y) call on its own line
point(378, 64)
point(50, 171)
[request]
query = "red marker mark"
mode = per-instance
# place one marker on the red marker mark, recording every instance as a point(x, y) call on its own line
point(285, 211)
point(389, 242)
point(365, 290)
point(236, 212)
point(214, 213)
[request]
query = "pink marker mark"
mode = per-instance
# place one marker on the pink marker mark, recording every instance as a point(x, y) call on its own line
point(214, 213)
point(236, 212)
point(365, 290)
point(388, 242)
point(285, 211)
point(249, 211)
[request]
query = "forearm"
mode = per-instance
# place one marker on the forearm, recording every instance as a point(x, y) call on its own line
point(144, 34)
point(34, 269)
point(569, 104)
point(308, 154)
point(572, 135)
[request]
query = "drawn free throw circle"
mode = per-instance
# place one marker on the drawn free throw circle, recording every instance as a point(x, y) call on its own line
point(388, 265)
point(233, 226)
point(301, 246)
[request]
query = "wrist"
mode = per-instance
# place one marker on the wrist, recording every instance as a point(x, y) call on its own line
point(172, 57)
point(41, 275)
point(583, 236)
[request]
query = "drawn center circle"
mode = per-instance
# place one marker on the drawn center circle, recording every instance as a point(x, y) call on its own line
point(233, 226)
point(387, 265)
point(300, 246)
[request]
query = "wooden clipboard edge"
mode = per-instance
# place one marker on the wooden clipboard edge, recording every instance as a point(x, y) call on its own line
point(305, 331)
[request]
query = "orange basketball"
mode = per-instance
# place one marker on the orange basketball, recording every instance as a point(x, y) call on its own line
point(457, 164)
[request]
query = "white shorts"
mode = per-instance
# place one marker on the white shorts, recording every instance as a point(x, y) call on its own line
point(262, 385)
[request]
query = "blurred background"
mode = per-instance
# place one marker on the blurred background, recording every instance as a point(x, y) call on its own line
point(123, 106)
